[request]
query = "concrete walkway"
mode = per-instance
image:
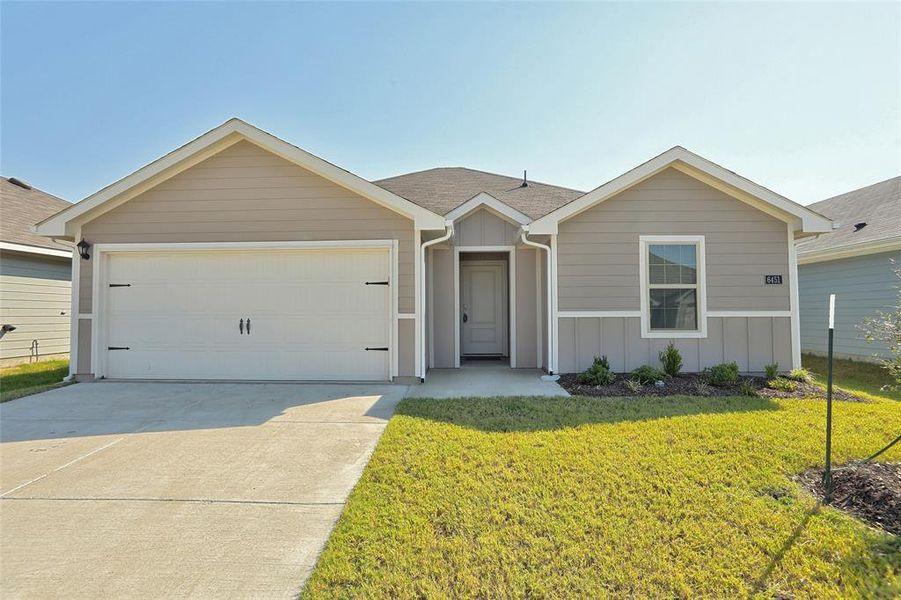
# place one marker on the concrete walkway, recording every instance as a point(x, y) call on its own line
point(112, 490)
point(484, 379)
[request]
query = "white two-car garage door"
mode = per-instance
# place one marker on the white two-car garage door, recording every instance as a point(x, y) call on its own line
point(286, 314)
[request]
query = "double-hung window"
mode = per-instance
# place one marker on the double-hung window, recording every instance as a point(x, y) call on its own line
point(673, 294)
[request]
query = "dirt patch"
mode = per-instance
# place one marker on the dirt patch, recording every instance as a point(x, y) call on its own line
point(692, 384)
point(869, 491)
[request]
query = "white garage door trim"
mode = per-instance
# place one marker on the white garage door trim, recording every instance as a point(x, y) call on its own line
point(99, 283)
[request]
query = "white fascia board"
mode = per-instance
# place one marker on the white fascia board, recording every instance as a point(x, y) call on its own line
point(210, 143)
point(486, 200)
point(34, 250)
point(847, 251)
point(802, 218)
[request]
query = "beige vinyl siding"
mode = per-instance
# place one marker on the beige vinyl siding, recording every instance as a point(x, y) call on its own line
point(35, 297)
point(752, 342)
point(443, 307)
point(598, 249)
point(247, 194)
point(526, 310)
point(484, 228)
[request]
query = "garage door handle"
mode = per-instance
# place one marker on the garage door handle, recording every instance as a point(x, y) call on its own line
point(241, 327)
point(385, 349)
point(378, 283)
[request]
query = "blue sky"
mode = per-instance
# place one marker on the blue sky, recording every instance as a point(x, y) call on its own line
point(802, 98)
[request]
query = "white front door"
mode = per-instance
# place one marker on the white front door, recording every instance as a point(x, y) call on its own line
point(483, 307)
point(293, 314)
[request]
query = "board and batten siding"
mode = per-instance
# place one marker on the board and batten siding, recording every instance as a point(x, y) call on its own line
point(752, 342)
point(863, 285)
point(598, 270)
point(484, 228)
point(247, 194)
point(35, 297)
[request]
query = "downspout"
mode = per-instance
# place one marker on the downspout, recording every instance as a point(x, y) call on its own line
point(448, 232)
point(547, 254)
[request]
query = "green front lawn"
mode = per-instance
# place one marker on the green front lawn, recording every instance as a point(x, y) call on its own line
point(854, 376)
point(579, 497)
point(23, 380)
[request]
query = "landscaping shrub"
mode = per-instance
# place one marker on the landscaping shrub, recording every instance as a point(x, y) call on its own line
point(782, 384)
point(772, 371)
point(802, 375)
point(703, 389)
point(647, 374)
point(671, 359)
point(634, 385)
point(598, 373)
point(747, 388)
point(721, 375)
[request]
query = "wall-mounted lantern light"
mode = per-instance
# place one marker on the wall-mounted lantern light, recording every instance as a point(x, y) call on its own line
point(83, 247)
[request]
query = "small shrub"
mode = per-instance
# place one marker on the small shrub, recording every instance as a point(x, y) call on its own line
point(747, 388)
point(722, 375)
point(782, 384)
point(634, 385)
point(702, 389)
point(647, 374)
point(598, 373)
point(772, 371)
point(671, 359)
point(802, 375)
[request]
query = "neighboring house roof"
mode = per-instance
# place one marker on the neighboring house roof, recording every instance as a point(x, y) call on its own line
point(801, 218)
point(20, 209)
point(443, 189)
point(877, 205)
point(231, 132)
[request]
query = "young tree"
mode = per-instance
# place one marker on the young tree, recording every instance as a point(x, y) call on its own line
point(885, 327)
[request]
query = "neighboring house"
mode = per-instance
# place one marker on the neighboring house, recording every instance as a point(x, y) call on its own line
point(35, 275)
point(856, 262)
point(240, 256)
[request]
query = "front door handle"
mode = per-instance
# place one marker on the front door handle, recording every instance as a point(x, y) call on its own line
point(241, 327)
point(248, 325)
point(465, 317)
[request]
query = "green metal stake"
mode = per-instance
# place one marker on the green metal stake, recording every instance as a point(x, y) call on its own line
point(827, 474)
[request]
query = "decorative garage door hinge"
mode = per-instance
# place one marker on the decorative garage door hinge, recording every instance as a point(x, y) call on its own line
point(385, 349)
point(120, 285)
point(377, 283)
point(118, 348)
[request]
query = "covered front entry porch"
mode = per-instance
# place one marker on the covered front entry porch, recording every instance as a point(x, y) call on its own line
point(486, 295)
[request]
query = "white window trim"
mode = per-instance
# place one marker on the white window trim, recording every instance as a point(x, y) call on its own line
point(644, 242)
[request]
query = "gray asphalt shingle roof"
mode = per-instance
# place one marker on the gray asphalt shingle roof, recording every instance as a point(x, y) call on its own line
point(21, 208)
point(877, 205)
point(443, 189)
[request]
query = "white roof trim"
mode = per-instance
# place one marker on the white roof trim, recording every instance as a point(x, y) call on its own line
point(802, 219)
point(848, 250)
point(210, 143)
point(35, 250)
point(486, 200)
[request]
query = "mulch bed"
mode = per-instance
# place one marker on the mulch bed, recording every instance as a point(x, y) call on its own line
point(869, 491)
point(691, 384)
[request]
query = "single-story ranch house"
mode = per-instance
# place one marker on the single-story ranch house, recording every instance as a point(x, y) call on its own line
point(240, 256)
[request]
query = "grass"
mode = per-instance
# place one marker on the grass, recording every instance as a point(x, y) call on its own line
point(862, 378)
point(583, 497)
point(31, 378)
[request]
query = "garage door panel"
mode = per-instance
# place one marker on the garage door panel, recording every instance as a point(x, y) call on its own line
point(312, 314)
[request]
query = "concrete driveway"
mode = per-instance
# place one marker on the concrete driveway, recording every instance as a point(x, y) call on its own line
point(175, 489)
